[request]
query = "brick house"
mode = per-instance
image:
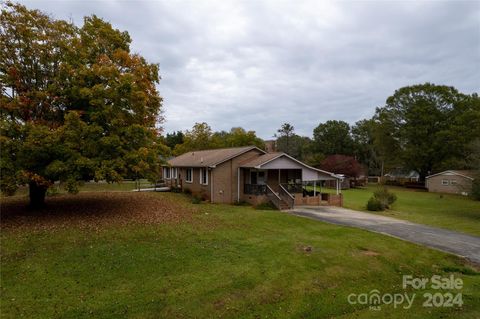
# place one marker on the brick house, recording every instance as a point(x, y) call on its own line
point(248, 174)
point(451, 181)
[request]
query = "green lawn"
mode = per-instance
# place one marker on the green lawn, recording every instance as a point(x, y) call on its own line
point(222, 261)
point(454, 212)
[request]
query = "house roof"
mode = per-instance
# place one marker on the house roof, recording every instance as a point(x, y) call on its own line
point(464, 173)
point(258, 162)
point(403, 173)
point(209, 158)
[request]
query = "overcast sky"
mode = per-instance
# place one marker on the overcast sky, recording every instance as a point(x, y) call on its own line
point(258, 64)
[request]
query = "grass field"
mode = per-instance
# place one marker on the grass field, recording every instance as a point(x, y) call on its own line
point(137, 255)
point(454, 212)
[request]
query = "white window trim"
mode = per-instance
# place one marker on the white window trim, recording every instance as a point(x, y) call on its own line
point(174, 173)
point(191, 175)
point(445, 182)
point(453, 182)
point(201, 176)
point(166, 173)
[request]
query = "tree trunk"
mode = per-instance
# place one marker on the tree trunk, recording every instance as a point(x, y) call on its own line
point(37, 195)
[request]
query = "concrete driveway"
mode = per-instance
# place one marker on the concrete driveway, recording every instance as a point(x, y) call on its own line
point(460, 244)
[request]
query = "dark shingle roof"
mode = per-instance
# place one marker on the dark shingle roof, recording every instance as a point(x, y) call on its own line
point(260, 160)
point(209, 158)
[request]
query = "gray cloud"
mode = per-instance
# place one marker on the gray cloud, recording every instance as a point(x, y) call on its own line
point(259, 64)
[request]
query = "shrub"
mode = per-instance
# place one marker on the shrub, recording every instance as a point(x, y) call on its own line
point(385, 197)
point(266, 206)
point(382, 199)
point(476, 188)
point(187, 191)
point(196, 200)
point(176, 189)
point(53, 191)
point(240, 203)
point(374, 204)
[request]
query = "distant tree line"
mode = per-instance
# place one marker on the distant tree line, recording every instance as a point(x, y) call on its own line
point(202, 137)
point(426, 128)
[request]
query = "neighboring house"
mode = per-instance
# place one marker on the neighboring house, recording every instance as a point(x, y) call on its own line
point(402, 175)
point(452, 181)
point(344, 182)
point(246, 174)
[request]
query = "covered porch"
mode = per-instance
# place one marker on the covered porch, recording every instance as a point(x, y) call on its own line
point(286, 182)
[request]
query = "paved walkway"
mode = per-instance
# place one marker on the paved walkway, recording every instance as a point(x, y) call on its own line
point(460, 244)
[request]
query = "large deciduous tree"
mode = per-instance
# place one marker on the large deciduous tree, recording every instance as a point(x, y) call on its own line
point(76, 104)
point(174, 138)
point(333, 137)
point(202, 137)
point(240, 137)
point(363, 134)
point(427, 126)
point(295, 145)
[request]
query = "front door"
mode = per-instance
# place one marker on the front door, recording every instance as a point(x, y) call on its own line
point(261, 180)
point(258, 177)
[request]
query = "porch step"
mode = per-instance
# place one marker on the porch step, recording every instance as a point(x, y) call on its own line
point(284, 206)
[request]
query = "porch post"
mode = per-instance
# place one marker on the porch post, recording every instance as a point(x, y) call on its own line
point(336, 184)
point(211, 185)
point(314, 188)
point(278, 176)
point(238, 185)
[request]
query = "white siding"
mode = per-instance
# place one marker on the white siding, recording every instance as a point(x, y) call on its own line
point(308, 174)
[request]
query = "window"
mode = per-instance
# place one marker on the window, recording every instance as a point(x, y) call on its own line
point(166, 172)
point(203, 176)
point(174, 172)
point(189, 175)
point(261, 178)
point(253, 178)
point(453, 182)
point(444, 182)
point(258, 177)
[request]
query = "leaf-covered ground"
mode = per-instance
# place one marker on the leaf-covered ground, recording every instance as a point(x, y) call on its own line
point(94, 210)
point(156, 255)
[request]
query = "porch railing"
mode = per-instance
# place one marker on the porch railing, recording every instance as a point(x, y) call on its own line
point(286, 196)
point(293, 188)
point(273, 197)
point(252, 189)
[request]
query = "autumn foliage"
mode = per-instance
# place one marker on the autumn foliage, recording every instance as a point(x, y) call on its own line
point(76, 104)
point(342, 164)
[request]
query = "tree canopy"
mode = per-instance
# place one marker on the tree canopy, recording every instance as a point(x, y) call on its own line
point(202, 137)
point(76, 104)
point(333, 137)
point(427, 127)
point(424, 127)
point(342, 164)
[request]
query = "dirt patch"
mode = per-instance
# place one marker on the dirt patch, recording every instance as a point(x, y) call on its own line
point(95, 210)
point(304, 249)
point(370, 253)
